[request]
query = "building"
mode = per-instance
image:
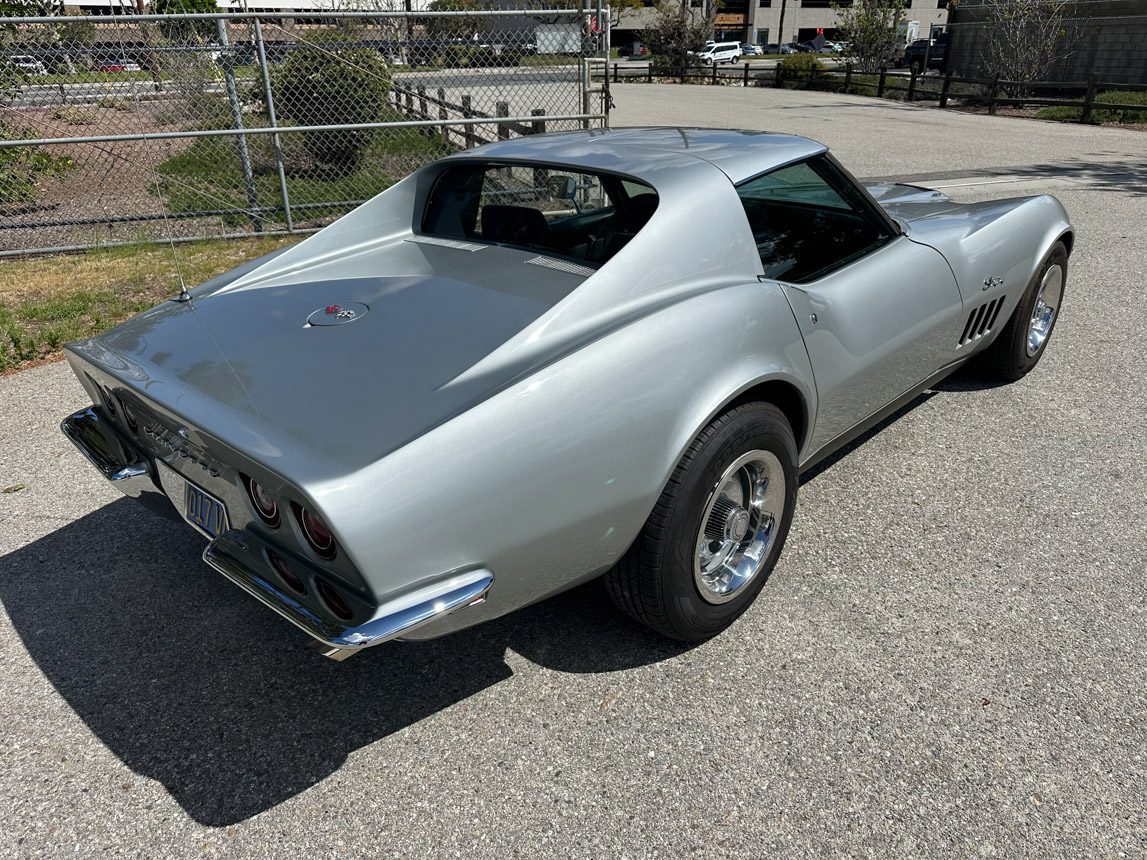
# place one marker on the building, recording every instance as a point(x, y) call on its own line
point(760, 21)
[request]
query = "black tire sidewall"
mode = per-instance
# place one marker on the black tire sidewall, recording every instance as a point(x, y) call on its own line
point(751, 427)
point(1018, 359)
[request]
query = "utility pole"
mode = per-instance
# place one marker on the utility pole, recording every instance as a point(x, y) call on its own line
point(781, 26)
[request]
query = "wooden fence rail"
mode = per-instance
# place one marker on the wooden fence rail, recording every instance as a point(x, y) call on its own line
point(990, 92)
point(416, 102)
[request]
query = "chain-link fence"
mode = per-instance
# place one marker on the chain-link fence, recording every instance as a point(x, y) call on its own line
point(138, 127)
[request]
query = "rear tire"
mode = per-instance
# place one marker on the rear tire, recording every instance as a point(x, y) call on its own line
point(717, 530)
point(1021, 344)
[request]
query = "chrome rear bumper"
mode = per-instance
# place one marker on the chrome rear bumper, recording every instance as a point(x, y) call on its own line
point(242, 556)
point(239, 556)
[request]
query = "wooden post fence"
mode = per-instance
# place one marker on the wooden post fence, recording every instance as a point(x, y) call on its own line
point(944, 88)
point(468, 113)
point(443, 115)
point(992, 94)
point(502, 110)
point(1088, 101)
point(880, 82)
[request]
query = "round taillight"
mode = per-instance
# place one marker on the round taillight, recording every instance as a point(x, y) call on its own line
point(263, 502)
point(289, 577)
point(334, 601)
point(317, 533)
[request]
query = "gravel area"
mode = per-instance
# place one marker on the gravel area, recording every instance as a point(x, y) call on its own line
point(948, 660)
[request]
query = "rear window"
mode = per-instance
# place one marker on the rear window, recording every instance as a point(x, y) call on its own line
point(579, 215)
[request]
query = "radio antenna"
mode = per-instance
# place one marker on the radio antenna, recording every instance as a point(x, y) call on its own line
point(184, 295)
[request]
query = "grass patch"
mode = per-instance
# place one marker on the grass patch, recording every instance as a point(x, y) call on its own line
point(208, 176)
point(1134, 113)
point(46, 302)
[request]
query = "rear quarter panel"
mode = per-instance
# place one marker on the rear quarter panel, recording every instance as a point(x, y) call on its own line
point(548, 482)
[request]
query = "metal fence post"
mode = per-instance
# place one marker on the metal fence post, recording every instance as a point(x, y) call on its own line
point(944, 88)
point(880, 82)
point(1088, 101)
point(240, 140)
point(269, 98)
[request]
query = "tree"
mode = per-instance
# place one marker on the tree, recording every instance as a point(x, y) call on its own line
point(335, 85)
point(872, 30)
point(1022, 39)
point(620, 10)
point(186, 31)
point(679, 29)
point(461, 27)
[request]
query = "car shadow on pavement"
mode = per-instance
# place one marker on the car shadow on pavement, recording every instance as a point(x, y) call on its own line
point(193, 684)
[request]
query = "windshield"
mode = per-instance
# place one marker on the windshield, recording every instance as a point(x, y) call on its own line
point(581, 215)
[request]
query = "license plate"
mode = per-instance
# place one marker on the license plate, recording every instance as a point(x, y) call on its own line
point(205, 512)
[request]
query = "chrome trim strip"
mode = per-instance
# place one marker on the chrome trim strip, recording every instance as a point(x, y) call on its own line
point(240, 557)
point(562, 266)
point(446, 243)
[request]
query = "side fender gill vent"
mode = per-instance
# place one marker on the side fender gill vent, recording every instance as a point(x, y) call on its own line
point(561, 266)
point(446, 243)
point(981, 320)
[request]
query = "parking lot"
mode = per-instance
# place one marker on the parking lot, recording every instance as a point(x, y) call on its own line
point(948, 660)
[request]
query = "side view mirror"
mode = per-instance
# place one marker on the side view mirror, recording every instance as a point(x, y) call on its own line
point(561, 187)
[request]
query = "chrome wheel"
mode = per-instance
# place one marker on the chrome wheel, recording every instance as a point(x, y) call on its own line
point(738, 525)
point(1046, 306)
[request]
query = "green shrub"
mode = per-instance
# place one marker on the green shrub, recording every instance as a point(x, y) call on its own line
point(22, 168)
point(806, 72)
point(803, 64)
point(335, 85)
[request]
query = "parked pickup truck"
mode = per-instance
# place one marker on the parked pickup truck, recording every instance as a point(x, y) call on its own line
point(918, 54)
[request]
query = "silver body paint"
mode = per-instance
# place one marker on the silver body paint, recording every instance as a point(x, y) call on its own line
point(539, 412)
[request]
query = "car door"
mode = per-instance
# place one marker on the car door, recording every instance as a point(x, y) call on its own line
point(879, 313)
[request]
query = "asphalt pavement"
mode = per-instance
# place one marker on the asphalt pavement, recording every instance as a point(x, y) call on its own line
point(948, 661)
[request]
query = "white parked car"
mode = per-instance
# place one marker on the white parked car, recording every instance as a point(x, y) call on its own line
point(720, 52)
point(28, 65)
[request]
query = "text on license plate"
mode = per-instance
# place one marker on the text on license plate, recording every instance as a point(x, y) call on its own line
point(205, 511)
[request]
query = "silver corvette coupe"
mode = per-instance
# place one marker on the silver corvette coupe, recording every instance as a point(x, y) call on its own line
point(544, 360)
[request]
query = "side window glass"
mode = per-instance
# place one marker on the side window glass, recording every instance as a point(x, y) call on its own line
point(803, 225)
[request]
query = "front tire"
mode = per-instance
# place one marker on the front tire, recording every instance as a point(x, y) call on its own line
point(1021, 344)
point(717, 530)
